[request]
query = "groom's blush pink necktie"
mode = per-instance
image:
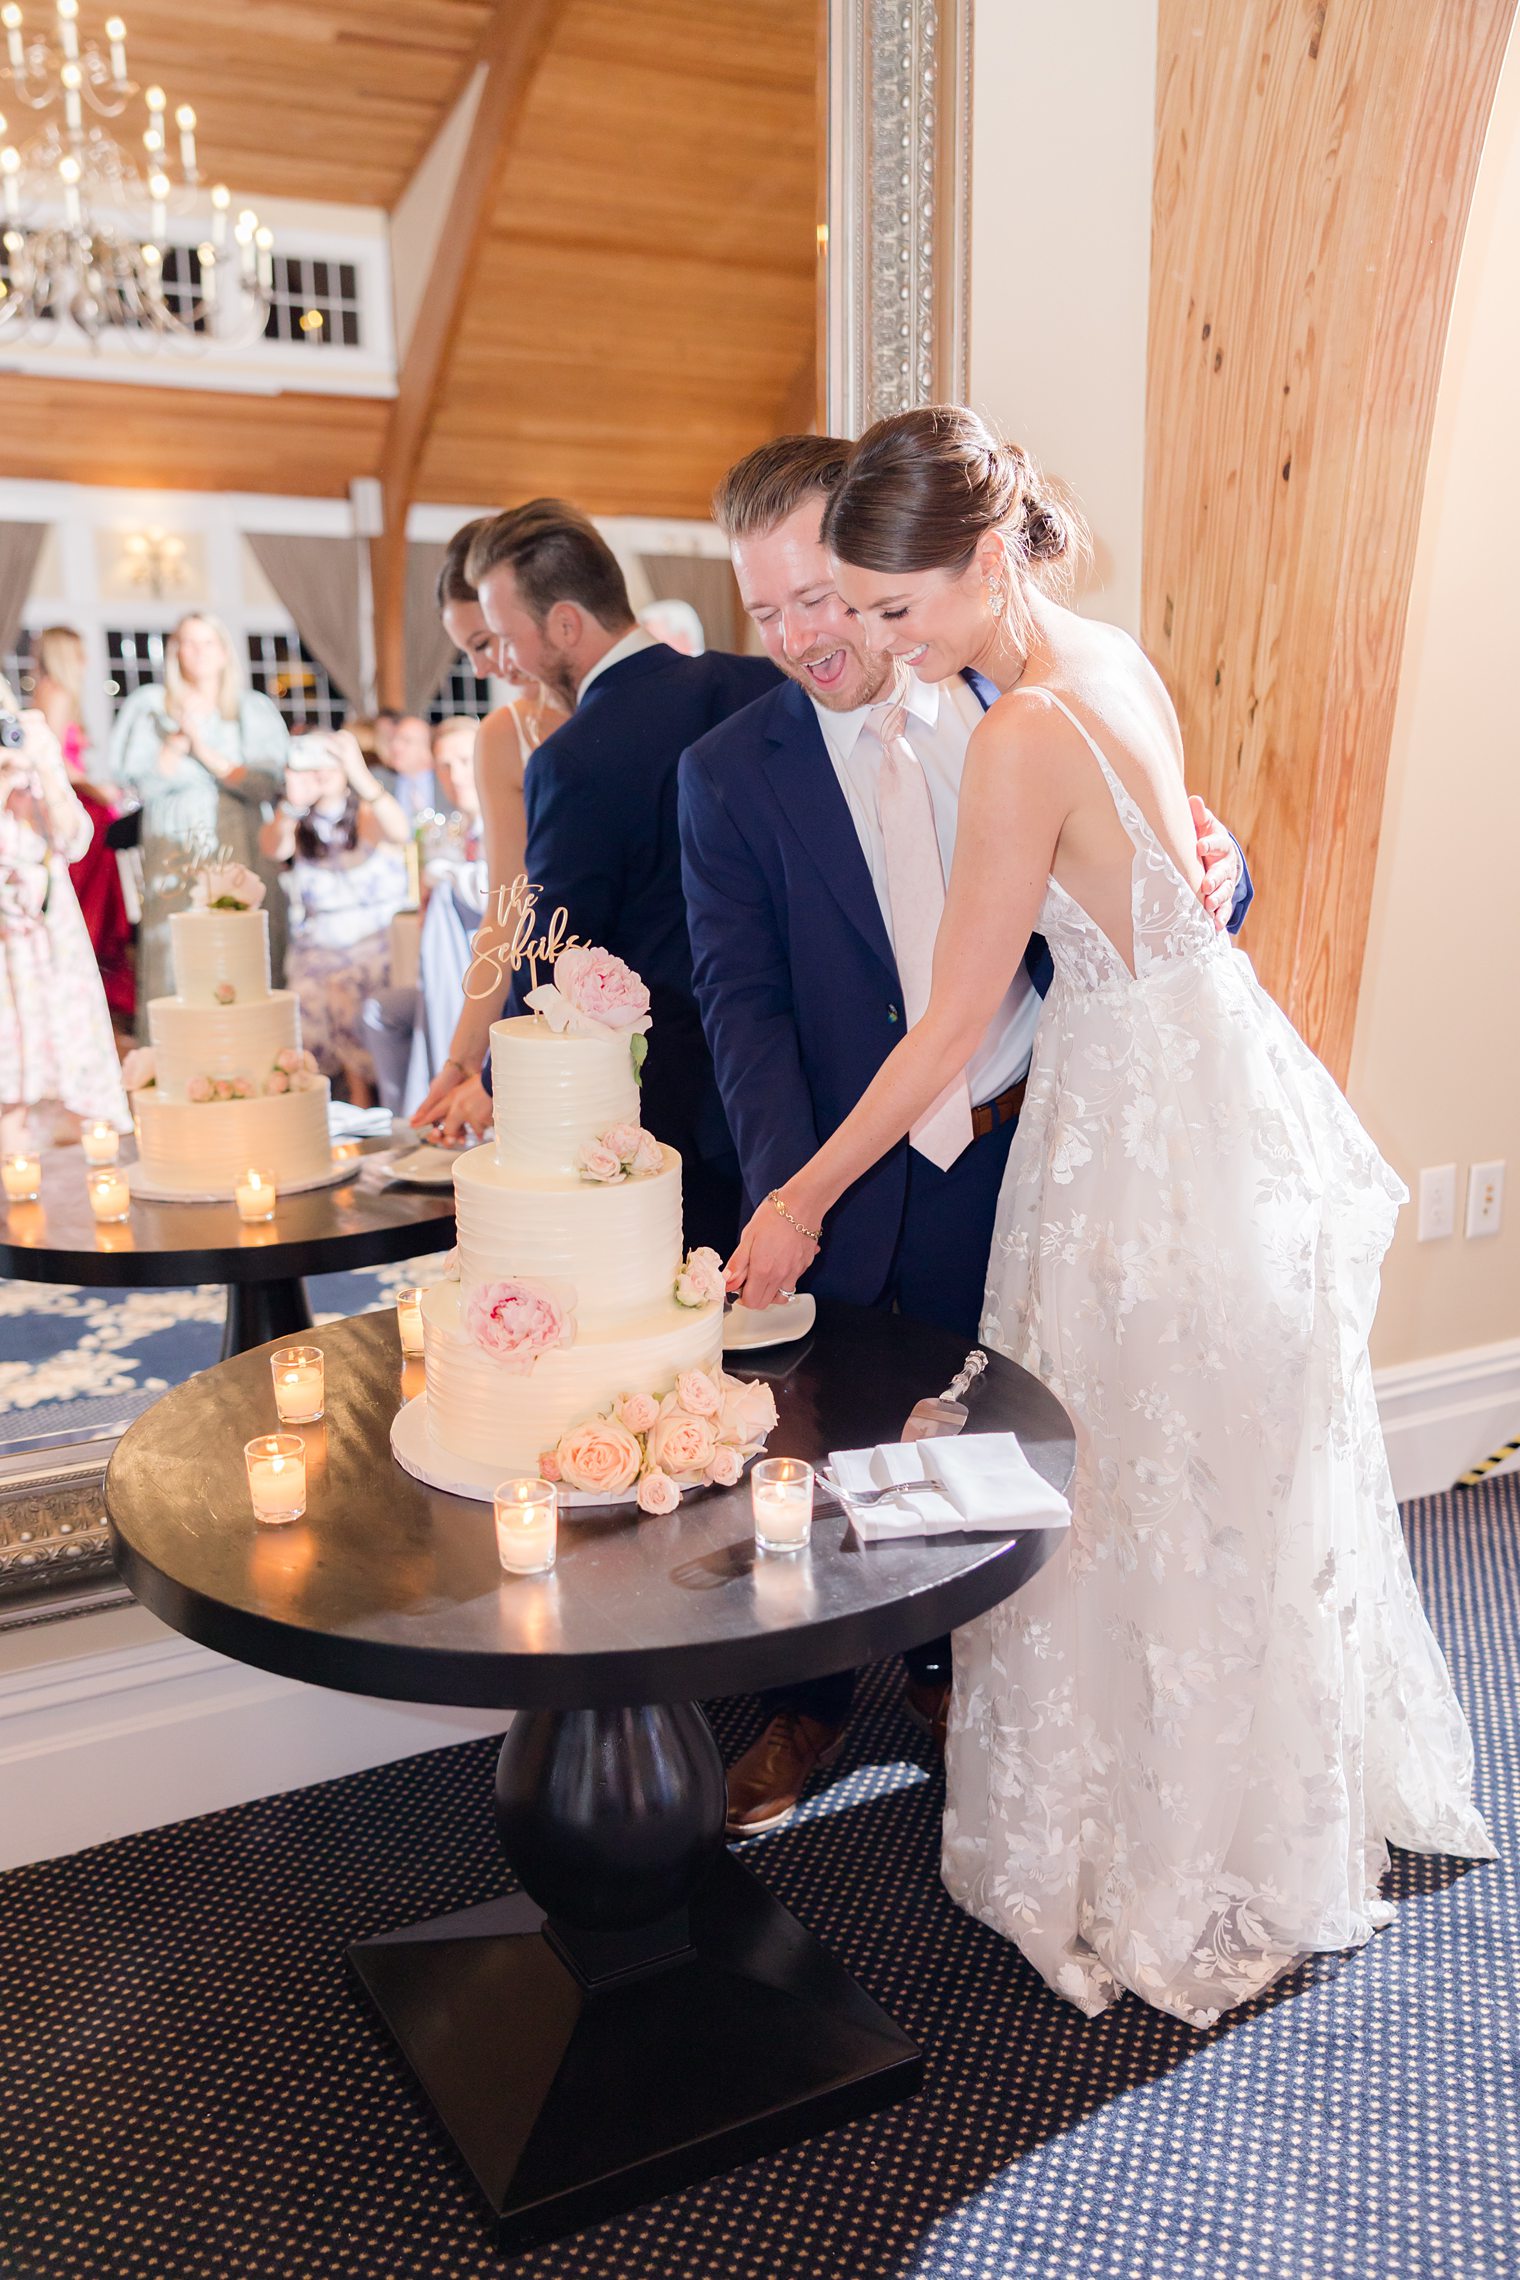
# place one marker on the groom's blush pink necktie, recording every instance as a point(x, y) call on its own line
point(916, 893)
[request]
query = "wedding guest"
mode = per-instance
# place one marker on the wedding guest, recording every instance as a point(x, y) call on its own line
point(410, 760)
point(59, 653)
point(601, 801)
point(205, 757)
point(454, 743)
point(794, 942)
point(675, 622)
point(453, 1100)
point(341, 836)
point(58, 1061)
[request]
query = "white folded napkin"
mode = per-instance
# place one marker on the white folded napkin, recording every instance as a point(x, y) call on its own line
point(980, 1481)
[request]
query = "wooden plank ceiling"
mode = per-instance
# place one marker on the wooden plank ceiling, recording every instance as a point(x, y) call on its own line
point(643, 301)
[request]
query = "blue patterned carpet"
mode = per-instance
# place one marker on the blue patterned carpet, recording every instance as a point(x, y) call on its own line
point(59, 1342)
point(190, 2089)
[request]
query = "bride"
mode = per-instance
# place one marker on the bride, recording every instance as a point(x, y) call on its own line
point(1176, 1757)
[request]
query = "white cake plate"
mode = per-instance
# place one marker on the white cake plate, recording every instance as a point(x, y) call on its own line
point(746, 1327)
point(148, 1190)
point(415, 1450)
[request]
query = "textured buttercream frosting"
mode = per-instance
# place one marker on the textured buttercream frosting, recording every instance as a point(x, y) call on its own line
point(553, 1093)
point(192, 1040)
point(214, 949)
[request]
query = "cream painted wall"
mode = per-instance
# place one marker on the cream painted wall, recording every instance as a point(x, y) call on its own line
point(1063, 132)
point(1436, 1066)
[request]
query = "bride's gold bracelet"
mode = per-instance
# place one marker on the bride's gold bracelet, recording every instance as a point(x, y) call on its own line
point(813, 1234)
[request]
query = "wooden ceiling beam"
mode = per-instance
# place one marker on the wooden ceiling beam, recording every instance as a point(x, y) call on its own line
point(513, 45)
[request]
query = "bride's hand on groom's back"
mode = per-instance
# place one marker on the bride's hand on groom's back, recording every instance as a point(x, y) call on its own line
point(1220, 857)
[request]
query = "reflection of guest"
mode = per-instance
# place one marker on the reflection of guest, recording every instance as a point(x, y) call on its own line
point(601, 801)
point(407, 773)
point(59, 688)
point(676, 623)
point(508, 738)
point(203, 755)
point(56, 1048)
point(342, 836)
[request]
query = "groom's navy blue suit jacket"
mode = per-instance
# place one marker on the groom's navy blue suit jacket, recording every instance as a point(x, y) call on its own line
point(794, 973)
point(600, 797)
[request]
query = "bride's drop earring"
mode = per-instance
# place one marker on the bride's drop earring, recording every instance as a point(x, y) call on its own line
point(997, 598)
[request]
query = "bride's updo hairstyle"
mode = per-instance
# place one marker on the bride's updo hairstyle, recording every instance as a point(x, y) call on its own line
point(922, 489)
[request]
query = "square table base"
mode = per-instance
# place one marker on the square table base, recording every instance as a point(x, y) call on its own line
point(573, 2096)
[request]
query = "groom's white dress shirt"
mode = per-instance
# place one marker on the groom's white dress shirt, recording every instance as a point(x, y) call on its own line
point(630, 645)
point(941, 716)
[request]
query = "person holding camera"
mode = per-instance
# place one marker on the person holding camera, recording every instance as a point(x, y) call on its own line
point(57, 1057)
point(342, 837)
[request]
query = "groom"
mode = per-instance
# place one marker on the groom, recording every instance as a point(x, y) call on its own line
point(786, 874)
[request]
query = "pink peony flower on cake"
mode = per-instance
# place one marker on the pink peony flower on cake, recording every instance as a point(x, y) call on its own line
point(637, 1411)
point(700, 1282)
point(548, 1467)
point(140, 1069)
point(592, 994)
point(243, 1088)
point(277, 1082)
point(226, 886)
point(748, 1415)
point(221, 1088)
point(514, 1321)
point(680, 1444)
point(595, 1160)
point(600, 1458)
point(726, 1469)
point(199, 1088)
point(225, 994)
point(658, 1493)
point(697, 1394)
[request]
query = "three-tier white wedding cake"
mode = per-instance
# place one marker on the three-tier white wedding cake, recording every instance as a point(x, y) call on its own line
point(224, 1086)
point(579, 1341)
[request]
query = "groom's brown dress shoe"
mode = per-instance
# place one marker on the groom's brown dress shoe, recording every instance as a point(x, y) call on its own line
point(765, 1784)
point(927, 1702)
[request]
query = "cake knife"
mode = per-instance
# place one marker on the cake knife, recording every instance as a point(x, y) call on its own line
point(934, 1419)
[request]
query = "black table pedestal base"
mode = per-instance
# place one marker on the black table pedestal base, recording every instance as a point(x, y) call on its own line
point(665, 2019)
point(571, 2100)
point(257, 1312)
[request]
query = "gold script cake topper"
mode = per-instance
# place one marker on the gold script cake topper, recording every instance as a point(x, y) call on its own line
point(510, 940)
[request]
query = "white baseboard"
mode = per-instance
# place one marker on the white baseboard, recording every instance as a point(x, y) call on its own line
point(110, 1724)
point(1444, 1415)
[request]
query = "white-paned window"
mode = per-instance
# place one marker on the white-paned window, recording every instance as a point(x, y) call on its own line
point(283, 668)
point(460, 692)
point(315, 302)
point(133, 658)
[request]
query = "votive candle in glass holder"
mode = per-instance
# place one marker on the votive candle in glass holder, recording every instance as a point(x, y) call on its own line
point(101, 1143)
point(781, 1491)
point(409, 1319)
point(299, 1394)
point(527, 1526)
point(110, 1196)
point(21, 1177)
point(276, 1477)
point(256, 1194)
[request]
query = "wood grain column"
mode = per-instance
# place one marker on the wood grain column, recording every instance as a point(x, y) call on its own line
point(1314, 165)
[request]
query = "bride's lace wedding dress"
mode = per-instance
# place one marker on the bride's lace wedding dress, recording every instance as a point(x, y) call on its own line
point(1176, 1756)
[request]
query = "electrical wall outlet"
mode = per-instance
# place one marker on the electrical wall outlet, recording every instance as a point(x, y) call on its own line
point(1438, 1202)
point(1485, 1198)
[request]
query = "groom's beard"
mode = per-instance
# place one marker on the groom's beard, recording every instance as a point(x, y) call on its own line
point(558, 675)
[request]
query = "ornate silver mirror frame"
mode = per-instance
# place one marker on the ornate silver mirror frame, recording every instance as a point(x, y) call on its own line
point(899, 183)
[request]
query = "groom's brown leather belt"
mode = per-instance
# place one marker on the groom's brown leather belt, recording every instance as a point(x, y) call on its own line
point(1003, 1110)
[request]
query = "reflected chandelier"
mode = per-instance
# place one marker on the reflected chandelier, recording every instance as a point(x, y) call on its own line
point(84, 230)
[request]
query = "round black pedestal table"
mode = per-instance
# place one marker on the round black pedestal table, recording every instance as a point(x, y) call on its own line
point(164, 1246)
point(643, 2013)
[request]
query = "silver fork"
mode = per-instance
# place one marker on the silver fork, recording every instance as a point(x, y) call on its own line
point(866, 1497)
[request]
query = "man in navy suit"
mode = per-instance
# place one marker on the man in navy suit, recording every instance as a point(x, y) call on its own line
point(798, 985)
point(600, 797)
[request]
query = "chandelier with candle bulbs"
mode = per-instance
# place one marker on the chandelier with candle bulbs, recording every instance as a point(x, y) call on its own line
point(85, 215)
